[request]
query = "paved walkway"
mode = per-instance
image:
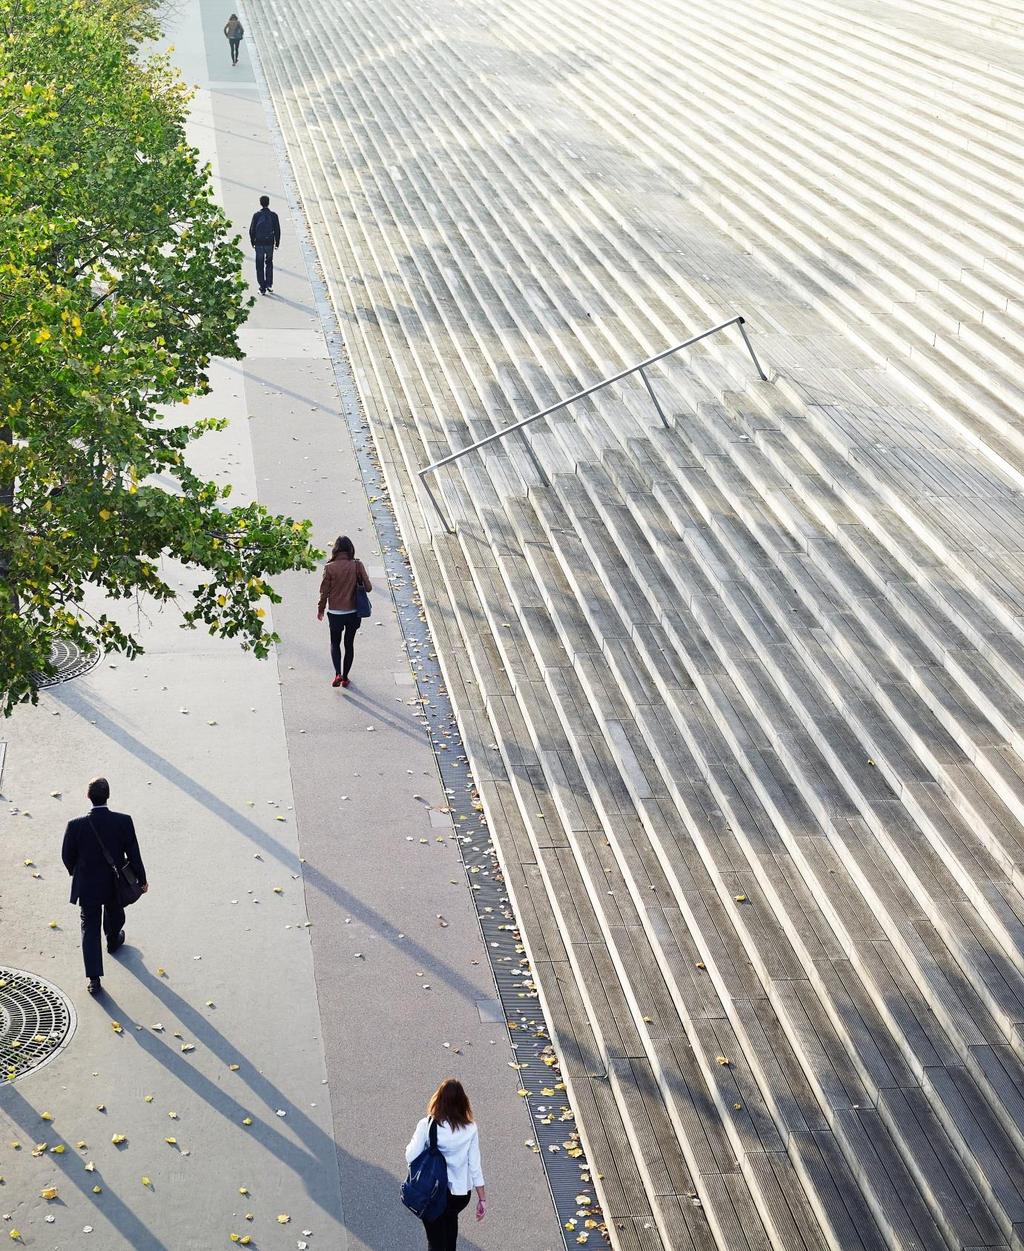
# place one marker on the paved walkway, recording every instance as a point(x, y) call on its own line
point(298, 854)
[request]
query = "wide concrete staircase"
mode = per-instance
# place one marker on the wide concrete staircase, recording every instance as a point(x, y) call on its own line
point(743, 696)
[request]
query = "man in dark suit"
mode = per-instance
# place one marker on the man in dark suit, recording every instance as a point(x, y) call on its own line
point(265, 236)
point(93, 881)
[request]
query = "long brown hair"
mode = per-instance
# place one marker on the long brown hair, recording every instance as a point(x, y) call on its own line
point(450, 1103)
point(343, 546)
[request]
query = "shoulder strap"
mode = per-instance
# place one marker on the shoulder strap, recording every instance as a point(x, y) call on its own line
point(103, 847)
point(433, 1134)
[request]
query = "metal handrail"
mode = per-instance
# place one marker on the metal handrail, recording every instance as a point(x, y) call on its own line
point(580, 395)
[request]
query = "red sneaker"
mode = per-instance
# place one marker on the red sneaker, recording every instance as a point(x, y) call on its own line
point(345, 682)
point(338, 680)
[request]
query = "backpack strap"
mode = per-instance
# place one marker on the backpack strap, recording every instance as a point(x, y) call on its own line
point(433, 1134)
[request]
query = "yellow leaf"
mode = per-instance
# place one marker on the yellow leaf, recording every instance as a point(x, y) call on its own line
point(46, 1116)
point(117, 1027)
point(105, 514)
point(59, 1149)
point(247, 1120)
point(50, 1192)
point(233, 1067)
point(171, 1142)
point(243, 1190)
point(148, 1098)
point(97, 1190)
point(283, 1219)
point(53, 925)
point(15, 1234)
point(117, 1139)
point(246, 1240)
point(146, 1181)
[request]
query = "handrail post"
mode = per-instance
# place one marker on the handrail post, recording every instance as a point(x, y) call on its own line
point(741, 322)
point(433, 499)
point(654, 399)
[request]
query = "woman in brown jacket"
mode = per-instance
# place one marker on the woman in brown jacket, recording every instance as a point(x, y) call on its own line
point(342, 574)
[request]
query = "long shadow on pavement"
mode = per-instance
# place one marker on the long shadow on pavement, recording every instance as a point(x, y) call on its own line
point(78, 701)
point(305, 1160)
point(108, 1206)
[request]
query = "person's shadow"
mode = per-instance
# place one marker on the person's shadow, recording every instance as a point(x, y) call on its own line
point(307, 1158)
point(109, 1206)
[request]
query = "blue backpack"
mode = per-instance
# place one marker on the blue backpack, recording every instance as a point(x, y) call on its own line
point(425, 1190)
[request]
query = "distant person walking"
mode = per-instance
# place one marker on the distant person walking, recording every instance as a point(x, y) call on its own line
point(459, 1143)
point(234, 31)
point(265, 236)
point(342, 575)
point(95, 847)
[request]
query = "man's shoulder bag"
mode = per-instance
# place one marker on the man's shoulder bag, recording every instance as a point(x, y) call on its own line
point(129, 890)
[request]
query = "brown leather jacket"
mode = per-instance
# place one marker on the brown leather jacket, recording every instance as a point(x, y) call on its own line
point(338, 588)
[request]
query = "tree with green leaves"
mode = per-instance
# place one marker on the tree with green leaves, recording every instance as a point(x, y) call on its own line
point(120, 280)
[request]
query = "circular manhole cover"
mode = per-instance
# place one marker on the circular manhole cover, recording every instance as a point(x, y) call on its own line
point(36, 1022)
point(68, 661)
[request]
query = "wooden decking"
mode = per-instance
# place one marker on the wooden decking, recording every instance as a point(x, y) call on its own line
point(743, 697)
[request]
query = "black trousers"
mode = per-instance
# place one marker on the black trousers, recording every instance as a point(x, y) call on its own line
point(443, 1234)
point(265, 265)
point(111, 915)
point(234, 50)
point(343, 623)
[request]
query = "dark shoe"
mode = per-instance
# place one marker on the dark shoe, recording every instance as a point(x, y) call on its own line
point(115, 943)
point(93, 986)
point(263, 290)
point(345, 682)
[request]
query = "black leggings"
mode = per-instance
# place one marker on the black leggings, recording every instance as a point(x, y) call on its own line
point(349, 623)
point(443, 1234)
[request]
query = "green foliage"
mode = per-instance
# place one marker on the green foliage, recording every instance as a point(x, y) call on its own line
point(119, 280)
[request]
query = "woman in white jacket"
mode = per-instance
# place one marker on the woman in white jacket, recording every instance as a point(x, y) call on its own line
point(459, 1141)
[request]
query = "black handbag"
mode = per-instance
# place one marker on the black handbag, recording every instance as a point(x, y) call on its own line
point(362, 600)
point(128, 889)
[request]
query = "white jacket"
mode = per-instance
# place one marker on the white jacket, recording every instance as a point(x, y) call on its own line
point(461, 1151)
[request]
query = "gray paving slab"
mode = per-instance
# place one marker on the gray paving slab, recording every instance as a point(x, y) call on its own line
point(300, 863)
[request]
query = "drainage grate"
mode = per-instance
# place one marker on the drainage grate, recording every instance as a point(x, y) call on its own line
point(36, 1022)
point(67, 661)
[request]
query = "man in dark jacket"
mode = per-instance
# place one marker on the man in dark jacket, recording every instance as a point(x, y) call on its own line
point(93, 881)
point(265, 236)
